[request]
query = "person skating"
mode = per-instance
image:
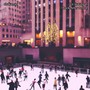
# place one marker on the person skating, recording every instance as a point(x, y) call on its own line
point(76, 71)
point(55, 83)
point(51, 67)
point(15, 74)
point(11, 71)
point(16, 84)
point(65, 84)
point(81, 88)
point(11, 85)
point(55, 69)
point(40, 76)
point(67, 75)
point(31, 67)
point(2, 77)
point(33, 84)
point(63, 79)
point(20, 73)
point(88, 80)
point(59, 80)
point(46, 76)
point(44, 84)
point(25, 75)
point(39, 82)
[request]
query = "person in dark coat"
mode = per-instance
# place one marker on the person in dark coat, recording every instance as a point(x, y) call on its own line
point(16, 84)
point(63, 79)
point(59, 80)
point(67, 75)
point(88, 80)
point(11, 85)
point(65, 84)
point(39, 82)
point(81, 88)
point(2, 77)
point(46, 76)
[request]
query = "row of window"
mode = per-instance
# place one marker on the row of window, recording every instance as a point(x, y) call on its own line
point(9, 36)
point(15, 10)
point(14, 31)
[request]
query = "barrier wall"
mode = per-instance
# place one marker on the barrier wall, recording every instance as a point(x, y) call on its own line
point(70, 53)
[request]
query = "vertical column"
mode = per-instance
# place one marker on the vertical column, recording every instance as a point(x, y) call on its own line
point(33, 21)
point(46, 17)
point(58, 19)
point(41, 22)
point(70, 15)
point(78, 17)
point(64, 24)
point(51, 11)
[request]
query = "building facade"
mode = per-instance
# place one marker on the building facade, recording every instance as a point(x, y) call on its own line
point(10, 21)
point(15, 20)
point(72, 17)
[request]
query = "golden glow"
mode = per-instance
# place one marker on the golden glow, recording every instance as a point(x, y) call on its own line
point(61, 33)
point(29, 41)
point(32, 40)
point(13, 44)
point(38, 35)
point(79, 40)
point(70, 33)
point(44, 32)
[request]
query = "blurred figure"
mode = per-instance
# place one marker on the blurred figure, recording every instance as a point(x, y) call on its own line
point(11, 85)
point(81, 88)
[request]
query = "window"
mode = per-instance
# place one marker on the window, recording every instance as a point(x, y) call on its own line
point(6, 35)
point(3, 30)
point(6, 30)
point(10, 36)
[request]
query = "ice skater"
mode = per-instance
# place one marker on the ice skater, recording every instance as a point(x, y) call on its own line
point(65, 84)
point(76, 71)
point(81, 88)
point(20, 73)
point(39, 82)
point(11, 85)
point(2, 77)
point(67, 75)
point(25, 75)
point(46, 76)
point(88, 81)
point(44, 84)
point(31, 67)
point(63, 79)
point(55, 83)
point(16, 84)
point(33, 84)
point(55, 69)
point(59, 80)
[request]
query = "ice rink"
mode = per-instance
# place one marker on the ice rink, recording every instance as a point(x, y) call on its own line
point(73, 84)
